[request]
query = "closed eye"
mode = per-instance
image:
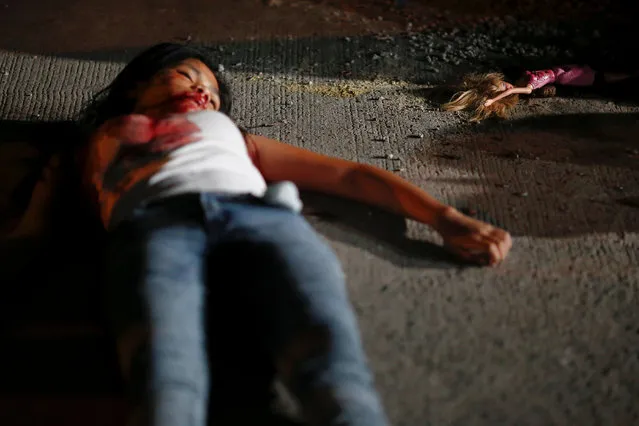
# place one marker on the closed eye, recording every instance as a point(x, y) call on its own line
point(185, 74)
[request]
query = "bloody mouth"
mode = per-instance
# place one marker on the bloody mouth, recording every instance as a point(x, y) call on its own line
point(190, 101)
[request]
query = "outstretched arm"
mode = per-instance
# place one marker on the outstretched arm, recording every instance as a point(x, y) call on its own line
point(525, 90)
point(467, 237)
point(361, 182)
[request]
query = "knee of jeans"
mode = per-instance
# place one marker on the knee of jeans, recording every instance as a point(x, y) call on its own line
point(307, 344)
point(324, 353)
point(344, 404)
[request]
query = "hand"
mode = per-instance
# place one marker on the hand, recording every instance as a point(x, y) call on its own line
point(473, 240)
point(132, 129)
point(489, 102)
point(173, 132)
point(166, 134)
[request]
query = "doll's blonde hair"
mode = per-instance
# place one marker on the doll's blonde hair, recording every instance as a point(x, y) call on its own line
point(476, 90)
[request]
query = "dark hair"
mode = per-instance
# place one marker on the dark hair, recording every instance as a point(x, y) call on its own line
point(115, 99)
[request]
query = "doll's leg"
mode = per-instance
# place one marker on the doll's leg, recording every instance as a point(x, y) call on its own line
point(575, 75)
point(154, 294)
point(307, 317)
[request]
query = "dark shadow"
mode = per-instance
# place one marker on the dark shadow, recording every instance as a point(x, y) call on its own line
point(437, 95)
point(26, 147)
point(378, 232)
point(241, 365)
point(431, 55)
point(35, 28)
point(416, 57)
point(598, 139)
point(50, 279)
point(554, 160)
point(625, 92)
point(359, 57)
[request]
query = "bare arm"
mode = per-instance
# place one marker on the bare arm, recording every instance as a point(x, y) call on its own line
point(470, 239)
point(361, 182)
point(515, 90)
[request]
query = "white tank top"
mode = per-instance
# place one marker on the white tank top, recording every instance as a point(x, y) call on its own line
point(216, 160)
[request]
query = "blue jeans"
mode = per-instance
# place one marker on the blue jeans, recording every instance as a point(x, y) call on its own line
point(161, 267)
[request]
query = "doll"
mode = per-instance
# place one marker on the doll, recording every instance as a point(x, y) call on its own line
point(490, 94)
